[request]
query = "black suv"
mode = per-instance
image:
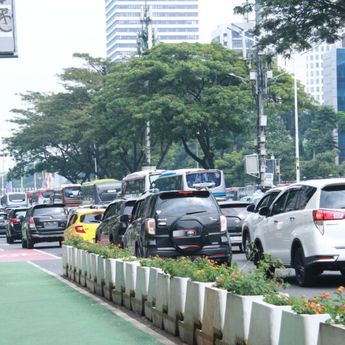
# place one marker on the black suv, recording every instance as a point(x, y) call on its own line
point(115, 221)
point(44, 223)
point(14, 224)
point(180, 223)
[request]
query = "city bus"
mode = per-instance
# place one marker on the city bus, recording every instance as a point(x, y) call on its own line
point(69, 194)
point(14, 199)
point(41, 196)
point(191, 179)
point(139, 182)
point(100, 191)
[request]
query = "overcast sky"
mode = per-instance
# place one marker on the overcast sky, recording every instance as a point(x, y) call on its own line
point(50, 31)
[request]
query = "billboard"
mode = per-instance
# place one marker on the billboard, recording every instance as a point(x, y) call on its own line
point(8, 44)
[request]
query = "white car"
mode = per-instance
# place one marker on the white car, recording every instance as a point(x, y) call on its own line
point(305, 228)
point(253, 218)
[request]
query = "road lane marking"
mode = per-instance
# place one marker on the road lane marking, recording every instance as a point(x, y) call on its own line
point(46, 253)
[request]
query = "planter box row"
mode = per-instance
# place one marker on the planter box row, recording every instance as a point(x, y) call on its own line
point(199, 313)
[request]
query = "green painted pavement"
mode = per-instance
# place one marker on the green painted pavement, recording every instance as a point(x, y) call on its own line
point(38, 309)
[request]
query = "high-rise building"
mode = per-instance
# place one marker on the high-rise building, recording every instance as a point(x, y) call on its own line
point(235, 36)
point(172, 21)
point(334, 88)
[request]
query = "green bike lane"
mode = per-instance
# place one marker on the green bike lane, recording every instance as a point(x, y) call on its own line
point(36, 308)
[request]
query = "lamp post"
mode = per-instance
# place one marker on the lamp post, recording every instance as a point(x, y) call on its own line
point(297, 165)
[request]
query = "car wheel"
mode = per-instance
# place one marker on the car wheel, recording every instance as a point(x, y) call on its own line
point(258, 253)
point(148, 252)
point(24, 244)
point(304, 274)
point(9, 240)
point(247, 246)
point(29, 243)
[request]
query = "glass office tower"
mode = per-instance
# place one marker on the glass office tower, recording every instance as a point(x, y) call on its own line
point(172, 21)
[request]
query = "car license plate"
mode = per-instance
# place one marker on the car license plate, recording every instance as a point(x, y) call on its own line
point(49, 225)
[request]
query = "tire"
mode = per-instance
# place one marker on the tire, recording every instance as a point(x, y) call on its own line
point(304, 274)
point(24, 243)
point(247, 246)
point(29, 243)
point(9, 240)
point(148, 252)
point(258, 253)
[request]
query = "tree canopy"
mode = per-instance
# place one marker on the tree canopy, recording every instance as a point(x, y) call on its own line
point(297, 24)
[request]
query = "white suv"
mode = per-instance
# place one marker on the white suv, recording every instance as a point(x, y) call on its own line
point(254, 218)
point(305, 228)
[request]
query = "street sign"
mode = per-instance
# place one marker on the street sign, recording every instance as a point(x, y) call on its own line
point(8, 43)
point(252, 164)
point(268, 180)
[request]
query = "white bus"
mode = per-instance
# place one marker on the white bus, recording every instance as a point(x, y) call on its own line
point(189, 179)
point(139, 182)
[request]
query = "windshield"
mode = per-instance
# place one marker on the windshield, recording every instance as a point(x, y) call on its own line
point(18, 197)
point(333, 197)
point(72, 192)
point(47, 193)
point(17, 214)
point(91, 218)
point(47, 211)
point(212, 179)
point(186, 205)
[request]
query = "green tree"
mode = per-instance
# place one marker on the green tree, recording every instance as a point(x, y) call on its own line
point(297, 24)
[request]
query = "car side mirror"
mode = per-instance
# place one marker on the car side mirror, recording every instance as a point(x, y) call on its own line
point(124, 218)
point(264, 211)
point(251, 208)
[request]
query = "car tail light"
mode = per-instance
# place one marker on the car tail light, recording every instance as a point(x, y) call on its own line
point(32, 224)
point(130, 218)
point(223, 224)
point(14, 220)
point(150, 226)
point(185, 192)
point(79, 229)
point(320, 216)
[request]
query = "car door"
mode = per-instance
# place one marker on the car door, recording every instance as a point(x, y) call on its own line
point(103, 229)
point(269, 230)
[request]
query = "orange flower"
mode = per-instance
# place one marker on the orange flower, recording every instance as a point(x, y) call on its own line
point(326, 295)
point(341, 289)
point(341, 308)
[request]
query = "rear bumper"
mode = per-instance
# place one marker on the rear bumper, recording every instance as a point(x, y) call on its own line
point(326, 262)
point(47, 238)
point(219, 253)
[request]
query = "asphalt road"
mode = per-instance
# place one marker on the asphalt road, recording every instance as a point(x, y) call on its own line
point(328, 281)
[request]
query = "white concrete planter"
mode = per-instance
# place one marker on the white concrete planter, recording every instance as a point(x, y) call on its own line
point(88, 270)
point(109, 278)
point(83, 266)
point(265, 323)
point(120, 278)
point(300, 329)
point(162, 299)
point(151, 292)
point(331, 334)
point(131, 277)
point(213, 316)
point(100, 275)
point(65, 262)
point(237, 319)
point(78, 266)
point(194, 310)
point(141, 288)
point(71, 262)
point(93, 272)
point(176, 304)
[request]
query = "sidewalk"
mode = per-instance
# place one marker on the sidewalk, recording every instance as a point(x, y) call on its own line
point(38, 309)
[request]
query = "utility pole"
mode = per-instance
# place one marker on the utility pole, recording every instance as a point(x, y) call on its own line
point(261, 117)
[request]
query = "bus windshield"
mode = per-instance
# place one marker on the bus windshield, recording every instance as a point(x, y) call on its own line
point(208, 179)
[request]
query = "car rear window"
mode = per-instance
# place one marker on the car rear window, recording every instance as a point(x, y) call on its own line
point(19, 213)
point(47, 211)
point(91, 218)
point(333, 197)
point(185, 203)
point(17, 197)
point(234, 211)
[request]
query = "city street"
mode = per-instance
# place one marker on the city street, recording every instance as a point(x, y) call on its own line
point(48, 256)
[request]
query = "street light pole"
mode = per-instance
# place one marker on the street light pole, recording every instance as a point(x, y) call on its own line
point(298, 172)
